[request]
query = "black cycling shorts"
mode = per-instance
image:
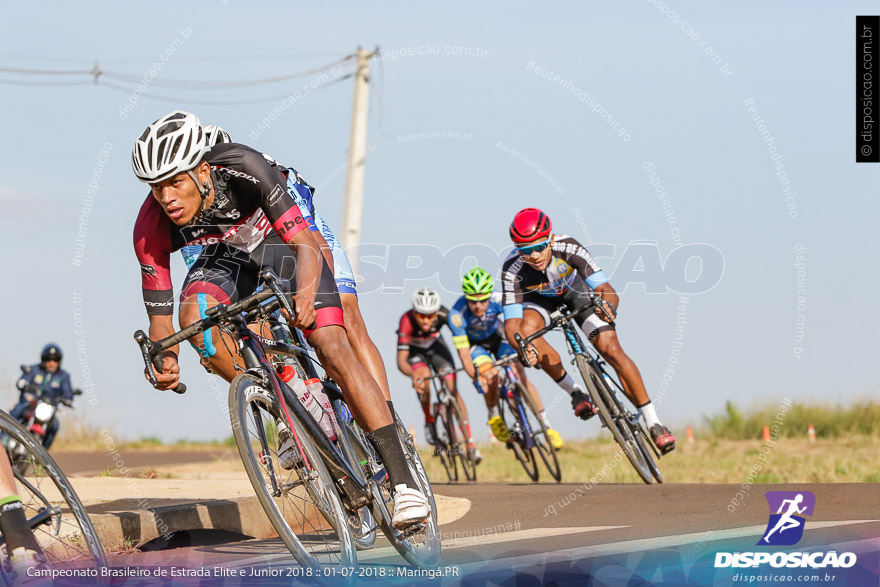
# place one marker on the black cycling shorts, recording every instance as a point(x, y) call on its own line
point(228, 274)
point(591, 324)
point(437, 356)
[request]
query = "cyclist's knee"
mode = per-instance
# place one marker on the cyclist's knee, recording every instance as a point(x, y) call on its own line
point(192, 309)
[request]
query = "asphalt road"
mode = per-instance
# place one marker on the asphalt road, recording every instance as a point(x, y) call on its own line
point(556, 530)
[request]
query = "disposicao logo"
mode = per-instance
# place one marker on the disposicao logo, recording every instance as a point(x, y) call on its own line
point(786, 525)
point(785, 528)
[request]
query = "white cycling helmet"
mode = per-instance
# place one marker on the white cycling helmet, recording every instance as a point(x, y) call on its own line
point(215, 135)
point(426, 301)
point(173, 144)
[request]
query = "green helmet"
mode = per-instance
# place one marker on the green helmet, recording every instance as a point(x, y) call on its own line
point(477, 284)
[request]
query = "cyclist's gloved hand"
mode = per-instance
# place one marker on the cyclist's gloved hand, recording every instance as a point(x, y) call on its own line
point(169, 378)
point(609, 308)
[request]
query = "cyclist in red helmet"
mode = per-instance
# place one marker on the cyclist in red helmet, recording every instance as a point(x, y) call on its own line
point(545, 270)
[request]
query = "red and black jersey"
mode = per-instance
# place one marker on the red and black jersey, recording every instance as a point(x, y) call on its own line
point(251, 202)
point(409, 334)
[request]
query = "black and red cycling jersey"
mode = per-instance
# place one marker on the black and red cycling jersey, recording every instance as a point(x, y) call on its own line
point(410, 334)
point(571, 267)
point(251, 203)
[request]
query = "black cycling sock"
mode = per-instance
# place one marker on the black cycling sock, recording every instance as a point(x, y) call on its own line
point(390, 450)
point(14, 526)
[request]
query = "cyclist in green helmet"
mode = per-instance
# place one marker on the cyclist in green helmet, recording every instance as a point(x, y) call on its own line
point(476, 321)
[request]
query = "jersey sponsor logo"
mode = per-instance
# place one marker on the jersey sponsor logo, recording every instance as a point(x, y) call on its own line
point(148, 270)
point(276, 194)
point(456, 320)
point(289, 225)
point(158, 304)
point(205, 240)
point(233, 214)
point(235, 173)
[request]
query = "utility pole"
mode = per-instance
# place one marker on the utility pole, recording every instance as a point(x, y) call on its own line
point(353, 204)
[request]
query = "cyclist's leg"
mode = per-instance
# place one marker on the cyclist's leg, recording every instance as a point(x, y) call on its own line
point(364, 347)
point(221, 274)
point(420, 372)
point(605, 340)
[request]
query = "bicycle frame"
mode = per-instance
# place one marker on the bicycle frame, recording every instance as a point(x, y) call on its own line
point(510, 390)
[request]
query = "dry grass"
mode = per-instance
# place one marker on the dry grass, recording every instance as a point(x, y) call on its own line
point(848, 459)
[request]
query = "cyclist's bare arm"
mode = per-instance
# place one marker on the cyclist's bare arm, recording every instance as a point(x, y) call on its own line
point(609, 295)
point(467, 362)
point(403, 363)
point(308, 270)
point(325, 248)
point(162, 326)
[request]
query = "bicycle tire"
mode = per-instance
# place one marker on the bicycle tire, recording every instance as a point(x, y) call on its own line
point(416, 464)
point(361, 523)
point(246, 393)
point(542, 440)
point(421, 549)
point(63, 547)
point(444, 432)
point(460, 448)
point(649, 450)
point(524, 455)
point(622, 435)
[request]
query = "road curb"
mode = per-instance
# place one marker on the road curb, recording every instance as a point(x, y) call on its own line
point(243, 515)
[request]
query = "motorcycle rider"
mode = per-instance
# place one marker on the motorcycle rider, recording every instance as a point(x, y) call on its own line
point(48, 380)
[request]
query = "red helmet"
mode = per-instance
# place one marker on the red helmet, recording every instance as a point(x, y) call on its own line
point(530, 224)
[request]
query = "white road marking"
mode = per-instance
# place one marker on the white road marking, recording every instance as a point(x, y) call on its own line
point(641, 545)
point(569, 554)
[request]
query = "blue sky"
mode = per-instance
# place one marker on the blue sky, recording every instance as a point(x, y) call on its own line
point(438, 178)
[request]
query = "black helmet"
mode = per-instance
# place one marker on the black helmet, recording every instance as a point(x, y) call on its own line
point(51, 352)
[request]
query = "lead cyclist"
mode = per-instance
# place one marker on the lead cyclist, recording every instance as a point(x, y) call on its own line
point(231, 199)
point(355, 328)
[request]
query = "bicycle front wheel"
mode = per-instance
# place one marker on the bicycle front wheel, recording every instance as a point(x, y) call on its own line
point(445, 433)
point(539, 433)
point(459, 441)
point(60, 523)
point(299, 497)
point(521, 451)
point(614, 419)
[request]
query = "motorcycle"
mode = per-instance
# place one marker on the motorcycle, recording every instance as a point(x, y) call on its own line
point(37, 419)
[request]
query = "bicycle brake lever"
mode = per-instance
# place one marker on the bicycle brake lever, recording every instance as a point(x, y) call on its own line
point(152, 360)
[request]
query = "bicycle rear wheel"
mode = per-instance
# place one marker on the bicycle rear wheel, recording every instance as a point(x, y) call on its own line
point(57, 517)
point(299, 501)
point(539, 433)
point(614, 419)
point(459, 446)
point(524, 455)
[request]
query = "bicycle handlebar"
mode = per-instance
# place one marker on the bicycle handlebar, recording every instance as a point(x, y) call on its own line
point(557, 319)
point(151, 350)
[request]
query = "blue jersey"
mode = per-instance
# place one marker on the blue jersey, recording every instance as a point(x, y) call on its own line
point(53, 385)
point(466, 327)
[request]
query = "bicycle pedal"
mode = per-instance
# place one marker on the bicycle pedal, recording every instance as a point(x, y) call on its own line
point(414, 529)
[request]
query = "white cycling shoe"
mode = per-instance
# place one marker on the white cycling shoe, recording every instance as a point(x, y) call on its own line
point(410, 507)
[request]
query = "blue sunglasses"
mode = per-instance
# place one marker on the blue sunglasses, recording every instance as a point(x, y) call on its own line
point(533, 248)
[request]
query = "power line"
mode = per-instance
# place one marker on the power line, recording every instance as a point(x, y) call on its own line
point(221, 102)
point(26, 83)
point(220, 85)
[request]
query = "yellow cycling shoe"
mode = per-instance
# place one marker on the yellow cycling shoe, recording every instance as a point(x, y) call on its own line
point(499, 429)
point(555, 439)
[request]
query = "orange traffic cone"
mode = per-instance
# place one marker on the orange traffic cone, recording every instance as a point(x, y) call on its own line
point(766, 434)
point(690, 434)
point(412, 432)
point(811, 432)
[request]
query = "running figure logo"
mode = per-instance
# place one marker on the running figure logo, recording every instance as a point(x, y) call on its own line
point(786, 526)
